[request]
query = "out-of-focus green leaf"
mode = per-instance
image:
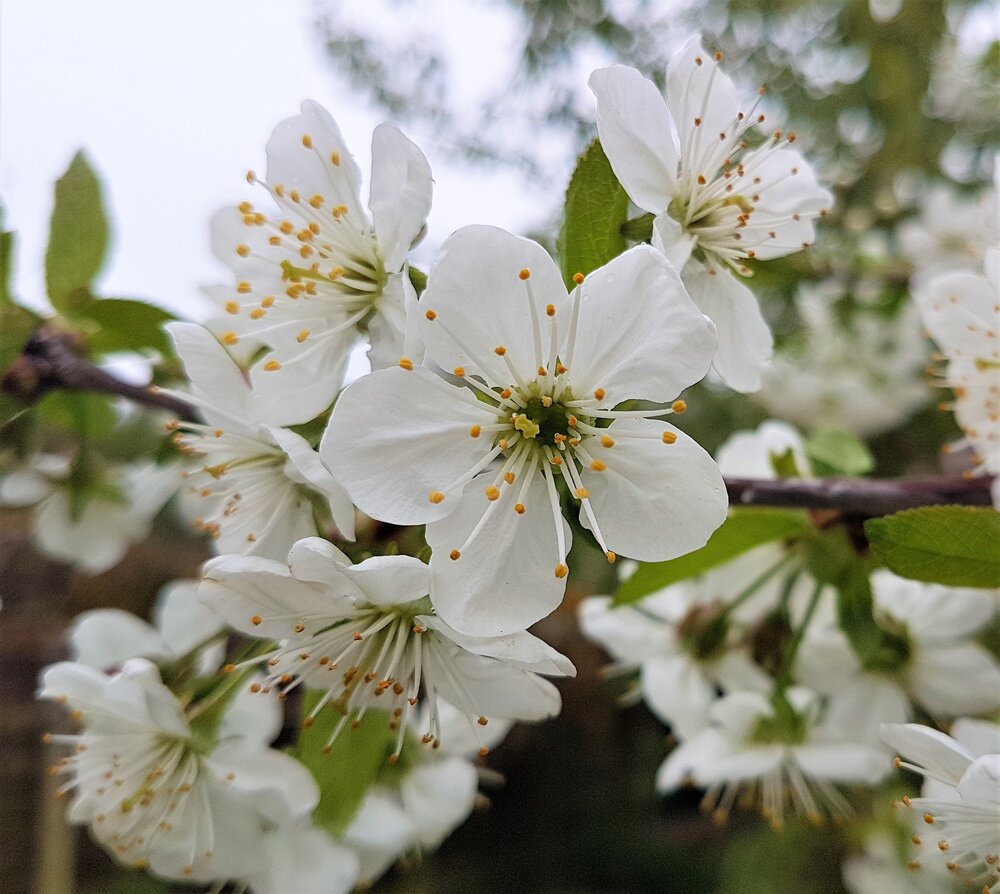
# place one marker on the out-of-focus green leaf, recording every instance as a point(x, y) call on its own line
point(354, 761)
point(78, 237)
point(16, 326)
point(596, 208)
point(742, 531)
point(954, 545)
point(835, 452)
point(87, 414)
point(6, 267)
point(127, 325)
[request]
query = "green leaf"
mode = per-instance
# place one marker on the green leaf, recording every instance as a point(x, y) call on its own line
point(87, 414)
point(957, 546)
point(6, 267)
point(16, 326)
point(835, 452)
point(596, 209)
point(78, 237)
point(356, 758)
point(127, 325)
point(418, 279)
point(741, 532)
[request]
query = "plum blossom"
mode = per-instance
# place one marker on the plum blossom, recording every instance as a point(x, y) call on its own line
point(718, 202)
point(366, 636)
point(961, 819)
point(319, 271)
point(782, 747)
point(262, 484)
point(160, 789)
point(536, 378)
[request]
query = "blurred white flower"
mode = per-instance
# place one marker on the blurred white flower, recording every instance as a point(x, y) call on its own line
point(159, 789)
point(304, 859)
point(718, 202)
point(321, 271)
point(541, 374)
point(883, 868)
point(113, 512)
point(365, 635)
point(962, 824)
point(262, 483)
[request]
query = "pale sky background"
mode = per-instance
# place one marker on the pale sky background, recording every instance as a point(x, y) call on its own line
point(174, 101)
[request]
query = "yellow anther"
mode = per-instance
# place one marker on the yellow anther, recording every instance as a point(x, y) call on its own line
point(550, 309)
point(509, 477)
point(245, 207)
point(929, 819)
point(519, 508)
point(244, 288)
point(599, 393)
point(251, 177)
point(294, 195)
point(287, 227)
point(560, 369)
point(598, 466)
point(571, 420)
point(256, 620)
point(561, 570)
point(279, 190)
point(302, 336)
point(230, 338)
point(542, 371)
point(307, 141)
point(611, 557)
point(555, 460)
point(435, 496)
point(243, 251)
point(578, 278)
point(336, 272)
point(546, 400)
point(581, 493)
point(316, 201)
point(669, 437)
point(335, 159)
point(454, 555)
point(503, 443)
point(406, 363)
point(525, 273)
point(431, 315)
point(257, 313)
point(524, 425)
point(607, 441)
point(505, 393)
point(267, 301)
point(232, 307)
point(458, 371)
point(679, 406)
point(272, 366)
point(492, 493)
point(274, 240)
point(500, 350)
point(475, 431)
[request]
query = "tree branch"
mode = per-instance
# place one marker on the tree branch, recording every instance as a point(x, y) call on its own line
point(860, 496)
point(48, 361)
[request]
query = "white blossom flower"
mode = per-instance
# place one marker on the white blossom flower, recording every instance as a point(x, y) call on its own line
point(961, 310)
point(681, 646)
point(541, 373)
point(320, 271)
point(262, 483)
point(115, 513)
point(882, 868)
point(929, 659)
point(160, 789)
point(108, 637)
point(365, 635)
point(782, 748)
point(304, 859)
point(962, 828)
point(717, 201)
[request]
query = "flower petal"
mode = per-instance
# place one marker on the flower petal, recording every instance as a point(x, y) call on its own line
point(676, 690)
point(391, 580)
point(107, 637)
point(635, 131)
point(939, 754)
point(439, 796)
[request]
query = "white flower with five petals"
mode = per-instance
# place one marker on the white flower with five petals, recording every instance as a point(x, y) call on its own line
point(262, 483)
point(367, 637)
point(717, 201)
point(538, 375)
point(320, 272)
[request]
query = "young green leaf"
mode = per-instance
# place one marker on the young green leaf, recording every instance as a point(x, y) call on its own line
point(957, 546)
point(127, 325)
point(78, 237)
point(596, 208)
point(835, 452)
point(741, 532)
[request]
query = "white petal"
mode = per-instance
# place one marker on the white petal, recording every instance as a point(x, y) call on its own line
point(670, 238)
point(747, 454)
point(745, 342)
point(380, 831)
point(107, 637)
point(634, 127)
point(398, 421)
point(316, 559)
point(861, 705)
point(942, 757)
point(629, 635)
point(843, 762)
point(932, 613)
point(677, 692)
point(389, 328)
point(640, 336)
point(254, 717)
point(475, 289)
point(979, 736)
point(439, 796)
point(504, 580)
point(655, 501)
point(94, 541)
point(952, 680)
point(306, 860)
point(391, 580)
point(401, 190)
